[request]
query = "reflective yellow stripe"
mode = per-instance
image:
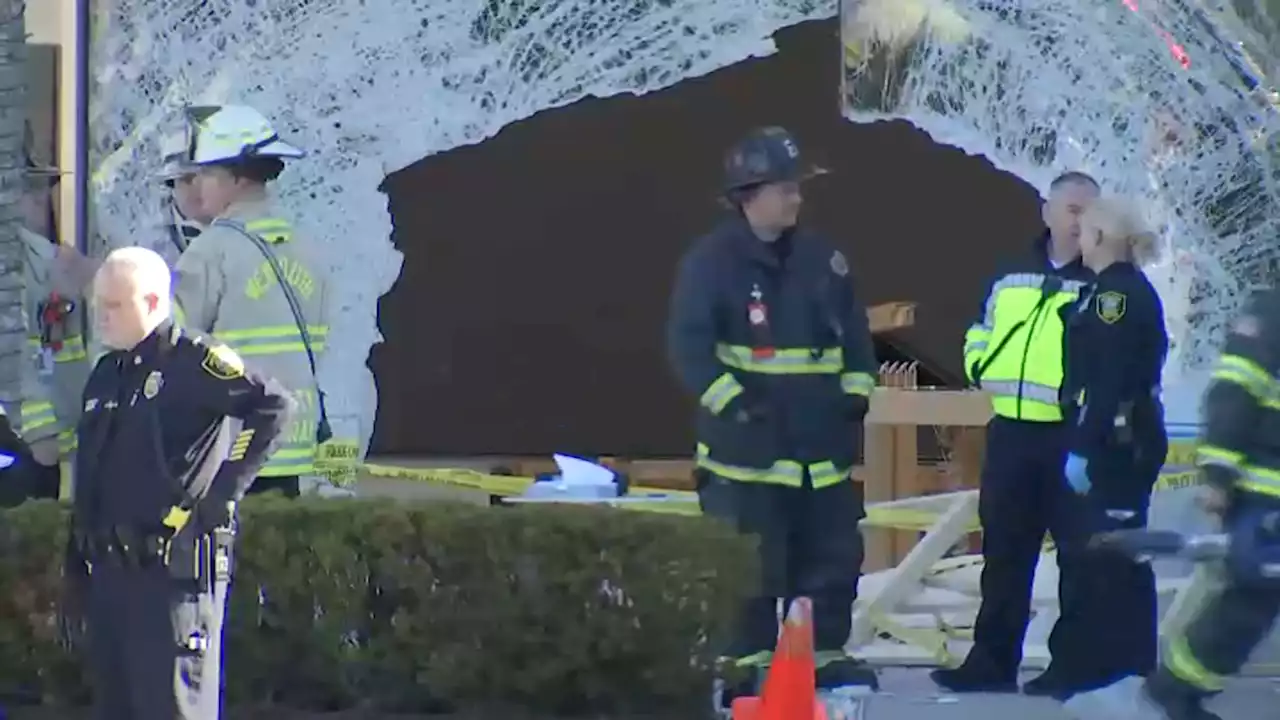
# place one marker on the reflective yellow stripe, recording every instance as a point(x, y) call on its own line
point(782, 361)
point(291, 459)
point(1183, 664)
point(1249, 375)
point(1038, 402)
point(1263, 481)
point(67, 443)
point(36, 414)
point(274, 340)
point(1221, 457)
point(720, 393)
point(783, 472)
point(857, 383)
point(72, 348)
point(273, 230)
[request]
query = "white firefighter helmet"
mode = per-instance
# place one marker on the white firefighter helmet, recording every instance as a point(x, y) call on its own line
point(222, 133)
point(175, 160)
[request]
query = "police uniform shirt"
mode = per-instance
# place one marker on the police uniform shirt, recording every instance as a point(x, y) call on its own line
point(144, 410)
point(1116, 347)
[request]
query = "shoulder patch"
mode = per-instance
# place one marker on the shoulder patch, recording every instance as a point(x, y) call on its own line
point(839, 265)
point(1110, 306)
point(223, 363)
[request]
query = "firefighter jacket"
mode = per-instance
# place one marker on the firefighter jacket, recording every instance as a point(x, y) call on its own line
point(226, 287)
point(1116, 344)
point(1014, 350)
point(1241, 443)
point(773, 341)
point(148, 415)
point(58, 364)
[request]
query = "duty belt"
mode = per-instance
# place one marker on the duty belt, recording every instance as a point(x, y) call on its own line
point(123, 545)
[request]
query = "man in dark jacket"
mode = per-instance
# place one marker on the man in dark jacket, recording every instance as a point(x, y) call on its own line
point(1014, 351)
point(766, 331)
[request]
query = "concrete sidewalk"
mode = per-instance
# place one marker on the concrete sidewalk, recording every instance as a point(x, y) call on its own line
point(908, 694)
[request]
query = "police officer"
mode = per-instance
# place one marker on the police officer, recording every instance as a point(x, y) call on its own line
point(1116, 348)
point(766, 331)
point(1239, 460)
point(250, 282)
point(176, 429)
point(1015, 353)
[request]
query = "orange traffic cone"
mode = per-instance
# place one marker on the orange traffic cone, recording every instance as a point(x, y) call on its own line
point(789, 691)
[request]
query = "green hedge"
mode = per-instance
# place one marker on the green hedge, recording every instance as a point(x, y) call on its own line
point(429, 607)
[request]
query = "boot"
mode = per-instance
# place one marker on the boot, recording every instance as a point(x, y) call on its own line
point(976, 675)
point(1046, 684)
point(1176, 699)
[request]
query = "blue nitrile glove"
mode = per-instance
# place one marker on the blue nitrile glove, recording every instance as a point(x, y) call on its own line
point(1077, 473)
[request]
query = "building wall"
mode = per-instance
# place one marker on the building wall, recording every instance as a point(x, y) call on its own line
point(529, 314)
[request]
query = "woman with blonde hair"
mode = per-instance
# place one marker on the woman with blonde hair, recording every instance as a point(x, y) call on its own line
point(1116, 345)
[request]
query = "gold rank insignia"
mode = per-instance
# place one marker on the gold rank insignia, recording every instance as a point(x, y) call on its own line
point(152, 386)
point(223, 363)
point(1110, 306)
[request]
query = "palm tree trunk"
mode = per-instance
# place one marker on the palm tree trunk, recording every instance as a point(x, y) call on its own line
point(13, 116)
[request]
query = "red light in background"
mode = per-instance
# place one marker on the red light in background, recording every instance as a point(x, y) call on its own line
point(1179, 53)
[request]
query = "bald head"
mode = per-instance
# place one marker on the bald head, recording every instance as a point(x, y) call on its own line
point(131, 293)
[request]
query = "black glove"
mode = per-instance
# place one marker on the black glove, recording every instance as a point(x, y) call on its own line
point(210, 516)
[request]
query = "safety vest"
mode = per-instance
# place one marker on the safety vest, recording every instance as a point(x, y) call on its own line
point(1017, 346)
point(227, 288)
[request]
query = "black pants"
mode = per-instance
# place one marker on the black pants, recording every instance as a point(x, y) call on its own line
point(809, 545)
point(1115, 602)
point(1023, 496)
point(155, 645)
point(286, 484)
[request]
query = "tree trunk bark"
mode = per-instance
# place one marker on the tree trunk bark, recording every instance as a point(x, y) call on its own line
point(13, 117)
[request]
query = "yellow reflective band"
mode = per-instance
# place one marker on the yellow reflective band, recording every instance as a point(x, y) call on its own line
point(240, 446)
point(782, 472)
point(1249, 375)
point(1263, 481)
point(274, 340)
point(782, 361)
point(1221, 457)
point(720, 393)
point(291, 459)
point(857, 383)
point(36, 414)
point(1184, 665)
point(176, 518)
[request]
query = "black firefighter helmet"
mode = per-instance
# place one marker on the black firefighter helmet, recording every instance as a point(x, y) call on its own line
point(765, 155)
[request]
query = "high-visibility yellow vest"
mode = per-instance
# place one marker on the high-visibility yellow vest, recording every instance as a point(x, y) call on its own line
point(1018, 345)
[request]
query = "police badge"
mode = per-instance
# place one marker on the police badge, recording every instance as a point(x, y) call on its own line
point(1110, 306)
point(152, 386)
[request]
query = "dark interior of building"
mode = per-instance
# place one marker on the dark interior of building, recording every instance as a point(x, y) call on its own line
point(529, 314)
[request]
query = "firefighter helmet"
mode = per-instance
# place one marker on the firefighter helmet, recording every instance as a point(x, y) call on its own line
point(226, 133)
point(765, 155)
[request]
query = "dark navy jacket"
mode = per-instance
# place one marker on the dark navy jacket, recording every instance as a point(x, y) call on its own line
point(1116, 344)
point(813, 323)
point(144, 409)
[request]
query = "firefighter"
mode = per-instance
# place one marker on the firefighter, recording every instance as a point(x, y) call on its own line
point(250, 282)
point(176, 429)
point(1239, 461)
point(1015, 353)
point(765, 329)
point(1116, 345)
point(58, 365)
point(185, 219)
